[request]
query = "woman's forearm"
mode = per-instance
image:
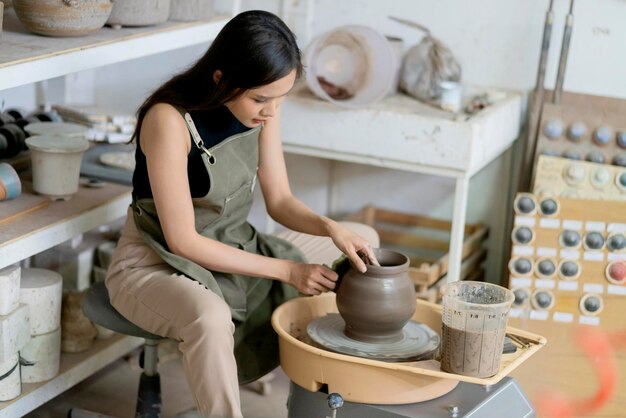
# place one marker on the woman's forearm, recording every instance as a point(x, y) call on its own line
point(216, 256)
point(295, 215)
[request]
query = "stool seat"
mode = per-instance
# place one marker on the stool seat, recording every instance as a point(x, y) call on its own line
point(97, 307)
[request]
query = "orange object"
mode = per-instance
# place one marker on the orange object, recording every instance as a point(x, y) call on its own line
point(597, 346)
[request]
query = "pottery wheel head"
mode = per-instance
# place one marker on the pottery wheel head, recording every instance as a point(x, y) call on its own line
point(418, 341)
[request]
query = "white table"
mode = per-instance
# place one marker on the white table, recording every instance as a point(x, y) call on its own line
point(403, 134)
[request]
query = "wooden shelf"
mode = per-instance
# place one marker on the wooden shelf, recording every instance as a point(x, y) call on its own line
point(27, 233)
point(74, 368)
point(27, 58)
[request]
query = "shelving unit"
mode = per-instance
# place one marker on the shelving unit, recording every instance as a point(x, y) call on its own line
point(74, 368)
point(28, 58)
point(404, 134)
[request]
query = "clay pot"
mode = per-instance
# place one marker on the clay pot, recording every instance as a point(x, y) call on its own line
point(190, 10)
point(77, 332)
point(139, 12)
point(63, 17)
point(378, 303)
point(56, 165)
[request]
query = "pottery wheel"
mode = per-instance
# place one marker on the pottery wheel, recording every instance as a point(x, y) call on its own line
point(418, 341)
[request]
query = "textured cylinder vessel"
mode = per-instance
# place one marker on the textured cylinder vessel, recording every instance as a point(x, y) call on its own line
point(9, 289)
point(41, 357)
point(11, 385)
point(41, 290)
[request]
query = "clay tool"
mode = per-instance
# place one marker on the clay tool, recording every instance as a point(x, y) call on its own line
point(567, 37)
point(537, 102)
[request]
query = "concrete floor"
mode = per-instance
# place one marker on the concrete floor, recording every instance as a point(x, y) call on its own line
point(113, 391)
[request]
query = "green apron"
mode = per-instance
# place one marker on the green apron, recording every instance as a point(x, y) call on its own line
point(222, 215)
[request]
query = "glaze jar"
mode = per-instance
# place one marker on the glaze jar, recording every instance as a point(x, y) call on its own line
point(376, 305)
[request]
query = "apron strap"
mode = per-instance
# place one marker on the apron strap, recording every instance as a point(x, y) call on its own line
point(197, 139)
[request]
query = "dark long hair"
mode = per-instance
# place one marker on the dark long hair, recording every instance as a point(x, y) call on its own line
point(253, 49)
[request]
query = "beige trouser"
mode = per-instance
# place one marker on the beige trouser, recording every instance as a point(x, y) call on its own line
point(148, 292)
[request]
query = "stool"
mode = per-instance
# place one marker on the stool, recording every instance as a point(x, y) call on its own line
point(97, 307)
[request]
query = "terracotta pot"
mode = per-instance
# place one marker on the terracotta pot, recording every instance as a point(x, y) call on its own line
point(139, 12)
point(190, 10)
point(63, 17)
point(378, 303)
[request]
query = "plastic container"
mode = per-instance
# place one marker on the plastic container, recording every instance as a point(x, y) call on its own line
point(473, 327)
point(56, 165)
point(352, 66)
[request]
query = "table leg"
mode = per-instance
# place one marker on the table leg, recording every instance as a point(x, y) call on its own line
point(458, 228)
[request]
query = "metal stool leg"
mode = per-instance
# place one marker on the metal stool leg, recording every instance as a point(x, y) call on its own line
point(149, 396)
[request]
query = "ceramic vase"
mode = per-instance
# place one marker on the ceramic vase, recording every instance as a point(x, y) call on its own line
point(190, 10)
point(376, 305)
point(139, 12)
point(63, 17)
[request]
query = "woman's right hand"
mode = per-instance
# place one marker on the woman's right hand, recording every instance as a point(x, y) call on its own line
point(312, 279)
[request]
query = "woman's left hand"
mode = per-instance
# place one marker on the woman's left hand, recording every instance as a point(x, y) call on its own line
point(353, 245)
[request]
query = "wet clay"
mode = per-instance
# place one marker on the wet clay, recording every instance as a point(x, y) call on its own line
point(377, 304)
point(475, 354)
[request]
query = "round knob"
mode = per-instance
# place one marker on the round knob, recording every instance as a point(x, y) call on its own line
point(600, 177)
point(616, 272)
point(551, 153)
point(596, 157)
point(522, 266)
point(569, 269)
point(572, 155)
point(591, 304)
point(546, 268)
point(525, 205)
point(521, 296)
point(620, 160)
point(620, 180)
point(335, 401)
point(616, 242)
point(621, 139)
point(570, 238)
point(574, 173)
point(576, 131)
point(543, 299)
point(549, 207)
point(594, 240)
point(602, 135)
point(523, 235)
point(553, 129)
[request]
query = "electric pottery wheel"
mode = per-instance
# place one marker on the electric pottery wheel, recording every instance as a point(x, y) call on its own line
point(375, 309)
point(371, 381)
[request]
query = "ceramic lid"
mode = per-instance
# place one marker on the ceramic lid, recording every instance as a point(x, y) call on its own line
point(60, 144)
point(56, 129)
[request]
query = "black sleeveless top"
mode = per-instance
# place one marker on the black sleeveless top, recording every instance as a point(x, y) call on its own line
point(214, 126)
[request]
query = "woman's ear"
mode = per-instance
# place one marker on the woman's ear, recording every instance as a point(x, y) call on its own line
point(217, 76)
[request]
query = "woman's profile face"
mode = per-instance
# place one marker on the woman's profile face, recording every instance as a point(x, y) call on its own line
point(260, 104)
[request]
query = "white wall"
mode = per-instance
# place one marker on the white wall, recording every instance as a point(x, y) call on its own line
point(496, 41)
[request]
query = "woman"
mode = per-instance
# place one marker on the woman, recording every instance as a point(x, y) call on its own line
point(188, 265)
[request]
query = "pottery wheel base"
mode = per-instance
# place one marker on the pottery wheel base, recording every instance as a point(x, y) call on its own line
point(418, 341)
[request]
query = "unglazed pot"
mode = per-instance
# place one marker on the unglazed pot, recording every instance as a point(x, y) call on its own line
point(190, 10)
point(378, 303)
point(63, 17)
point(139, 12)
